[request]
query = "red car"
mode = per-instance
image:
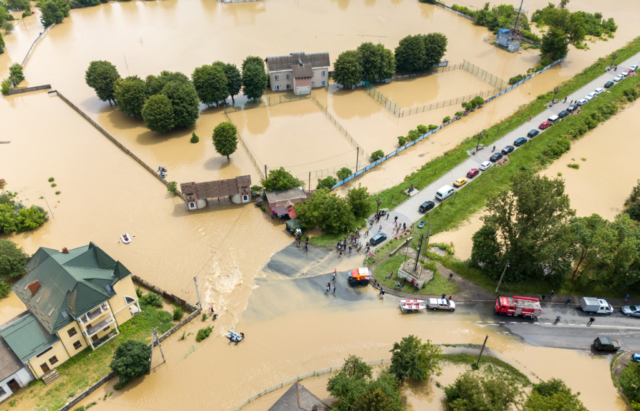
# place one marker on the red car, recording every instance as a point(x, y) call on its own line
point(545, 125)
point(473, 172)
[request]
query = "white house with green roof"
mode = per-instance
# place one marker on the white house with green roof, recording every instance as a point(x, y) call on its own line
point(75, 299)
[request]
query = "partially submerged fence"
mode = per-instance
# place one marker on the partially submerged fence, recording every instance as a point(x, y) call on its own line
point(113, 140)
point(35, 42)
point(495, 81)
point(422, 137)
point(267, 101)
point(342, 130)
point(28, 89)
point(252, 157)
point(446, 103)
point(445, 69)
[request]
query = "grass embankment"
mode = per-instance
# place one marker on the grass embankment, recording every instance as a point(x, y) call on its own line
point(437, 286)
point(486, 360)
point(89, 366)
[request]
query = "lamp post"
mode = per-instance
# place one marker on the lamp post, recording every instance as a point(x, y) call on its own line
point(378, 202)
point(555, 91)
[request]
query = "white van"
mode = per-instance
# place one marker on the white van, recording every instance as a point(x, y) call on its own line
point(554, 119)
point(444, 193)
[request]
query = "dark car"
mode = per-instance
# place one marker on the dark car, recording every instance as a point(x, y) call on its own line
point(609, 84)
point(378, 238)
point(571, 108)
point(532, 133)
point(563, 114)
point(426, 206)
point(496, 157)
point(473, 172)
point(606, 344)
point(520, 141)
point(545, 125)
point(508, 149)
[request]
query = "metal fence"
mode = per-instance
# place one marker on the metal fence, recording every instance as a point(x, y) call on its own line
point(266, 101)
point(426, 73)
point(28, 89)
point(35, 42)
point(446, 103)
point(316, 373)
point(342, 130)
point(382, 98)
point(495, 81)
point(388, 156)
point(253, 158)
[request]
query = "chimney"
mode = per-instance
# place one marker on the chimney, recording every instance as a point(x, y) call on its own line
point(65, 251)
point(33, 286)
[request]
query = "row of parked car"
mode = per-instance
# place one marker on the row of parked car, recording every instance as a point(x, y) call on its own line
point(447, 191)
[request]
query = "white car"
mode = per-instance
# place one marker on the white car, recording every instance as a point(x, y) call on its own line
point(591, 96)
point(618, 78)
point(599, 91)
point(441, 304)
point(582, 102)
point(624, 74)
point(633, 68)
point(485, 166)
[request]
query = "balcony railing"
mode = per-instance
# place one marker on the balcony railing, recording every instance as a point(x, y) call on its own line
point(95, 314)
point(99, 327)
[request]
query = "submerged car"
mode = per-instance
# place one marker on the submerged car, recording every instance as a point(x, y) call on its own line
point(460, 182)
point(609, 84)
point(485, 165)
point(496, 157)
point(545, 125)
point(631, 310)
point(520, 141)
point(532, 133)
point(606, 344)
point(473, 172)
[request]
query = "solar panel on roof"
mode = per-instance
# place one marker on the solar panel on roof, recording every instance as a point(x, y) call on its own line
point(108, 287)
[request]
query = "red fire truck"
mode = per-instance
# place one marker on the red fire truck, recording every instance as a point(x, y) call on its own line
point(518, 306)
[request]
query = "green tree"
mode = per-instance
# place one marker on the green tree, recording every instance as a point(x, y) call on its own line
point(555, 44)
point(553, 395)
point(155, 84)
point(30, 218)
point(593, 240)
point(412, 358)
point(17, 4)
point(410, 54)
point(356, 368)
point(184, 101)
point(234, 80)
point(373, 400)
point(327, 182)
point(377, 155)
point(1, 44)
point(15, 73)
point(532, 230)
point(130, 361)
point(634, 211)
point(102, 76)
point(344, 172)
point(252, 60)
point(358, 199)
point(435, 47)
point(346, 390)
point(157, 114)
point(280, 179)
point(53, 11)
point(377, 62)
point(347, 69)
point(254, 80)
point(473, 392)
point(12, 259)
point(630, 383)
point(5, 289)
point(225, 138)
point(211, 84)
point(130, 95)
point(325, 210)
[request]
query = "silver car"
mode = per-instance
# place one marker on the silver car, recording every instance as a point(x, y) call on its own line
point(599, 90)
point(631, 310)
point(582, 102)
point(485, 166)
point(618, 78)
point(591, 95)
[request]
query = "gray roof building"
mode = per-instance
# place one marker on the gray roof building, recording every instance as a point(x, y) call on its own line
point(9, 362)
point(281, 63)
point(62, 285)
point(298, 398)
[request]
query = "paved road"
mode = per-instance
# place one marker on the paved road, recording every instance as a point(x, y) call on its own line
point(409, 209)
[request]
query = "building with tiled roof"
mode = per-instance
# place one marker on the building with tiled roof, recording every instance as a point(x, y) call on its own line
point(75, 299)
point(298, 72)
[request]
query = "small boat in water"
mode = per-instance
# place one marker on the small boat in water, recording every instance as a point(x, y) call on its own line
point(234, 336)
point(126, 238)
point(412, 306)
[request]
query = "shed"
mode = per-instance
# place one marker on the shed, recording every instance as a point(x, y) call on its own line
point(298, 398)
point(196, 194)
point(281, 202)
point(13, 374)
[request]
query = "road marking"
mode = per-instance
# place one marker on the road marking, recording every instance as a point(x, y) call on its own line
point(553, 324)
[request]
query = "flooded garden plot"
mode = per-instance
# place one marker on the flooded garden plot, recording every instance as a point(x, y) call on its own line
point(296, 136)
point(435, 88)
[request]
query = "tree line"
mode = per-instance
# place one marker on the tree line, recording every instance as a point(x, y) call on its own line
point(172, 99)
point(375, 63)
point(533, 229)
point(355, 388)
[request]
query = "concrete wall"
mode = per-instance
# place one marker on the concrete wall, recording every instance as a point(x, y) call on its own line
point(23, 377)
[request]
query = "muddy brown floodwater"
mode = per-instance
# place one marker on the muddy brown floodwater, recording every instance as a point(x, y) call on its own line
point(104, 193)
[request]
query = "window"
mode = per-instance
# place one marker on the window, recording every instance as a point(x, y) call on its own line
point(277, 77)
point(72, 332)
point(129, 300)
point(288, 86)
point(277, 87)
point(288, 76)
point(322, 74)
point(77, 345)
point(313, 84)
point(53, 360)
point(323, 84)
point(2, 392)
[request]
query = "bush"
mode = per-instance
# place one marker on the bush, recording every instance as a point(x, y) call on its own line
point(413, 135)
point(402, 140)
point(54, 185)
point(422, 129)
point(633, 211)
point(447, 118)
point(256, 189)
point(6, 86)
point(194, 138)
point(573, 165)
point(51, 179)
point(130, 360)
point(377, 155)
point(631, 94)
point(459, 113)
point(5, 289)
point(58, 193)
point(514, 80)
point(139, 292)
point(432, 127)
point(343, 173)
point(164, 317)
point(178, 312)
point(172, 187)
point(328, 183)
point(151, 299)
point(203, 333)
point(428, 1)
point(555, 150)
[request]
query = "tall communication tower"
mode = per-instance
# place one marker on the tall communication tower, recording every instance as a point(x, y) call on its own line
point(516, 21)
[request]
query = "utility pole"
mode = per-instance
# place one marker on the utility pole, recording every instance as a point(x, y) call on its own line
point(357, 156)
point(265, 171)
point(155, 333)
point(198, 292)
point(481, 351)
point(309, 182)
point(502, 276)
point(415, 267)
point(428, 235)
